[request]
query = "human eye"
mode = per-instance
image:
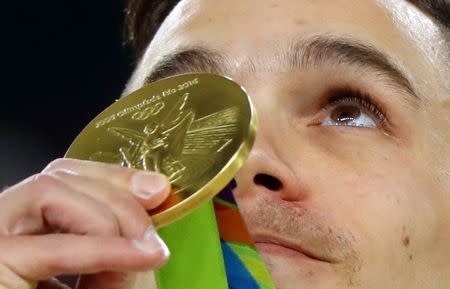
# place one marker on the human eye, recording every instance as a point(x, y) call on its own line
point(351, 107)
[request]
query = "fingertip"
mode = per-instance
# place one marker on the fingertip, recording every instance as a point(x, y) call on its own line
point(156, 258)
point(153, 246)
point(149, 188)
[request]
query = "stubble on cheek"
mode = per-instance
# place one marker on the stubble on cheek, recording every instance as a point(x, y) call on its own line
point(350, 271)
point(312, 230)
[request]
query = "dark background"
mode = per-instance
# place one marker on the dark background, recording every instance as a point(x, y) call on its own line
point(63, 63)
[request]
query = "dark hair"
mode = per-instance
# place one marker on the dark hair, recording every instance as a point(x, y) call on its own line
point(143, 18)
point(438, 9)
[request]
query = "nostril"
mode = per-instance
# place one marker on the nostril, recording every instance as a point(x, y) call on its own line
point(268, 181)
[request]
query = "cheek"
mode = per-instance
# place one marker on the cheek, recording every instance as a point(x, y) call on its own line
point(390, 213)
point(385, 201)
point(374, 182)
point(382, 195)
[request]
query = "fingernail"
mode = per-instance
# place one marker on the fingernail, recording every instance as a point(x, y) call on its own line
point(146, 185)
point(152, 243)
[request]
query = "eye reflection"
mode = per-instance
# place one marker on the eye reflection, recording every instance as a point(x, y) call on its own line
point(345, 113)
point(348, 106)
point(349, 115)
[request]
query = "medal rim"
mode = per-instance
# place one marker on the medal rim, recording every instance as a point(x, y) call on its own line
point(215, 184)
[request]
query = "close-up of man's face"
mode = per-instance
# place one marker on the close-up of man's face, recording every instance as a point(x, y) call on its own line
point(348, 182)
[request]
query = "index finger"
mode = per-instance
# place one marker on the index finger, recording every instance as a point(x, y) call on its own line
point(149, 188)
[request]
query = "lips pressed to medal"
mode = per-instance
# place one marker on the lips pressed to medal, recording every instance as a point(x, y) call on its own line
point(197, 129)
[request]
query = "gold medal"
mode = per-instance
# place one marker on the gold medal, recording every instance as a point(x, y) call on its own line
point(197, 129)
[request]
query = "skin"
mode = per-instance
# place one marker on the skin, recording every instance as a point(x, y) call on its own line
point(370, 203)
point(355, 207)
point(71, 219)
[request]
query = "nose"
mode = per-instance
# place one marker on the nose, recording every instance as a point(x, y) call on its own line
point(274, 166)
point(266, 174)
point(269, 182)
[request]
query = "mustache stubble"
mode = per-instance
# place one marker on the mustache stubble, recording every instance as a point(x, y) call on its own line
point(313, 230)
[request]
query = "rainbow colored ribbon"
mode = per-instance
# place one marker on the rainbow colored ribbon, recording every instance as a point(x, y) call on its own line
point(211, 249)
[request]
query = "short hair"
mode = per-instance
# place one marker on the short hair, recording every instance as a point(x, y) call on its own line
point(144, 17)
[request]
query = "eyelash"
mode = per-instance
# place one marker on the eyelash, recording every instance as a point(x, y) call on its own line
point(348, 95)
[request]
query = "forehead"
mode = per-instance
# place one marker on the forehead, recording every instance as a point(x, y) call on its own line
point(241, 28)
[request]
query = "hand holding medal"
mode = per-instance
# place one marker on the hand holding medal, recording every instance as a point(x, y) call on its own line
point(197, 129)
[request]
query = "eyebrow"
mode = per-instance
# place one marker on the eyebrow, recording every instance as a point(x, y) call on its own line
point(302, 54)
point(193, 59)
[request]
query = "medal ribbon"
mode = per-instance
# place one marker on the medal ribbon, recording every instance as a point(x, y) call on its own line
point(211, 249)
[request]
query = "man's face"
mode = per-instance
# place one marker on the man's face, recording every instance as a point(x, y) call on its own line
point(348, 183)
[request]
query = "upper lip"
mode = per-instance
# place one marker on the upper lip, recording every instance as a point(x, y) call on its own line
point(277, 240)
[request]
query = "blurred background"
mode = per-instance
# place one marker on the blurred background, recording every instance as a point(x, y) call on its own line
point(63, 63)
